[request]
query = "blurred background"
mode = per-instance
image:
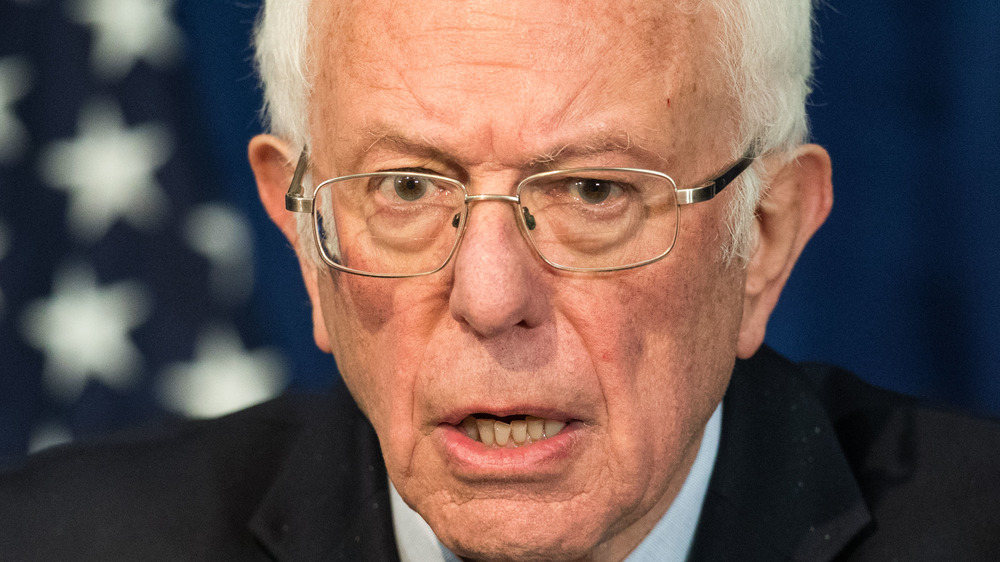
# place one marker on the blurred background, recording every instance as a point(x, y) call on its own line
point(140, 280)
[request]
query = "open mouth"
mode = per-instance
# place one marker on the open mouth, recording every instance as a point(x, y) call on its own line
point(509, 431)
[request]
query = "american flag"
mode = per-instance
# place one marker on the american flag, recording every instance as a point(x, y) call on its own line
point(127, 235)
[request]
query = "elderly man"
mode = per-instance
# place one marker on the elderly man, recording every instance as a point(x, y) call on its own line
point(537, 236)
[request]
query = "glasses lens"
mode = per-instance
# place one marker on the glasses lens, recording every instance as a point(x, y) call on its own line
point(600, 218)
point(389, 224)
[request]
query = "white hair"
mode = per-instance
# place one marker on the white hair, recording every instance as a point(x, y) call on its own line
point(765, 49)
point(281, 41)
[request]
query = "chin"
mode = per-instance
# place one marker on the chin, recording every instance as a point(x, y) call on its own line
point(516, 532)
point(519, 549)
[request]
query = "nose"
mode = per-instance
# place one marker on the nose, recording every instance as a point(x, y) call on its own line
point(497, 280)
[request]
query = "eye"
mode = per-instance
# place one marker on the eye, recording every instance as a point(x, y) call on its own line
point(407, 188)
point(593, 190)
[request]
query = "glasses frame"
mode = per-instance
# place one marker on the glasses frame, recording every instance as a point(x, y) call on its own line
point(296, 201)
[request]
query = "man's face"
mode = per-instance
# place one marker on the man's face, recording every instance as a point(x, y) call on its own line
point(633, 362)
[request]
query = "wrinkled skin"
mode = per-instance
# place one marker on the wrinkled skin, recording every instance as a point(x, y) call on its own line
point(489, 92)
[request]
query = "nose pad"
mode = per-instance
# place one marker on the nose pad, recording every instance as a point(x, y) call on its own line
point(529, 219)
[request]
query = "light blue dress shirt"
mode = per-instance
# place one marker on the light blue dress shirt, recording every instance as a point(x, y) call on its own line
point(669, 541)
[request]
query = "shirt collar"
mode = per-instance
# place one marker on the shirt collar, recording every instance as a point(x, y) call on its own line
point(669, 541)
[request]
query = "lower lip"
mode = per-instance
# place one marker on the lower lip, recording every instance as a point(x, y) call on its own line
point(475, 461)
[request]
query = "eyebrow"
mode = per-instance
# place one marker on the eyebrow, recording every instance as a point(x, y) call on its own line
point(423, 147)
point(603, 142)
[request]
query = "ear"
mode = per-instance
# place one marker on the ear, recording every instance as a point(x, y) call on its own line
point(273, 166)
point(795, 203)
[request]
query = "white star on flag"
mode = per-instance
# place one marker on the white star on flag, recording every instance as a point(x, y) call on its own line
point(127, 31)
point(15, 82)
point(224, 377)
point(223, 236)
point(108, 171)
point(47, 435)
point(83, 329)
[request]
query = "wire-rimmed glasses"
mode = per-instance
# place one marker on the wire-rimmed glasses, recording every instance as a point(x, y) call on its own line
point(407, 224)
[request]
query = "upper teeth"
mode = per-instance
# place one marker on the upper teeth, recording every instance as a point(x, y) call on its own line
point(495, 433)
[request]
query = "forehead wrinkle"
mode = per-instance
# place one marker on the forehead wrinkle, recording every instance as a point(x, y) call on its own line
point(482, 34)
point(610, 142)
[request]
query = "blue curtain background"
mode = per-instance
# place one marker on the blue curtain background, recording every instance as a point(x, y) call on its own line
point(901, 285)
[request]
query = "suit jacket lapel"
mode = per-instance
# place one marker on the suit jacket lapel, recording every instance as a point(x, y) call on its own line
point(781, 487)
point(331, 499)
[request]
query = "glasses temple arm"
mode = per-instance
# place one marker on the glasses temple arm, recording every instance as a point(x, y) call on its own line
point(712, 187)
point(296, 200)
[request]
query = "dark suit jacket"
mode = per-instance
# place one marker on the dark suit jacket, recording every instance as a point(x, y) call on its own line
point(813, 465)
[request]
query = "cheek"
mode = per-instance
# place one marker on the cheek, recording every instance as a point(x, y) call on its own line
point(380, 329)
point(662, 339)
point(651, 316)
point(346, 329)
